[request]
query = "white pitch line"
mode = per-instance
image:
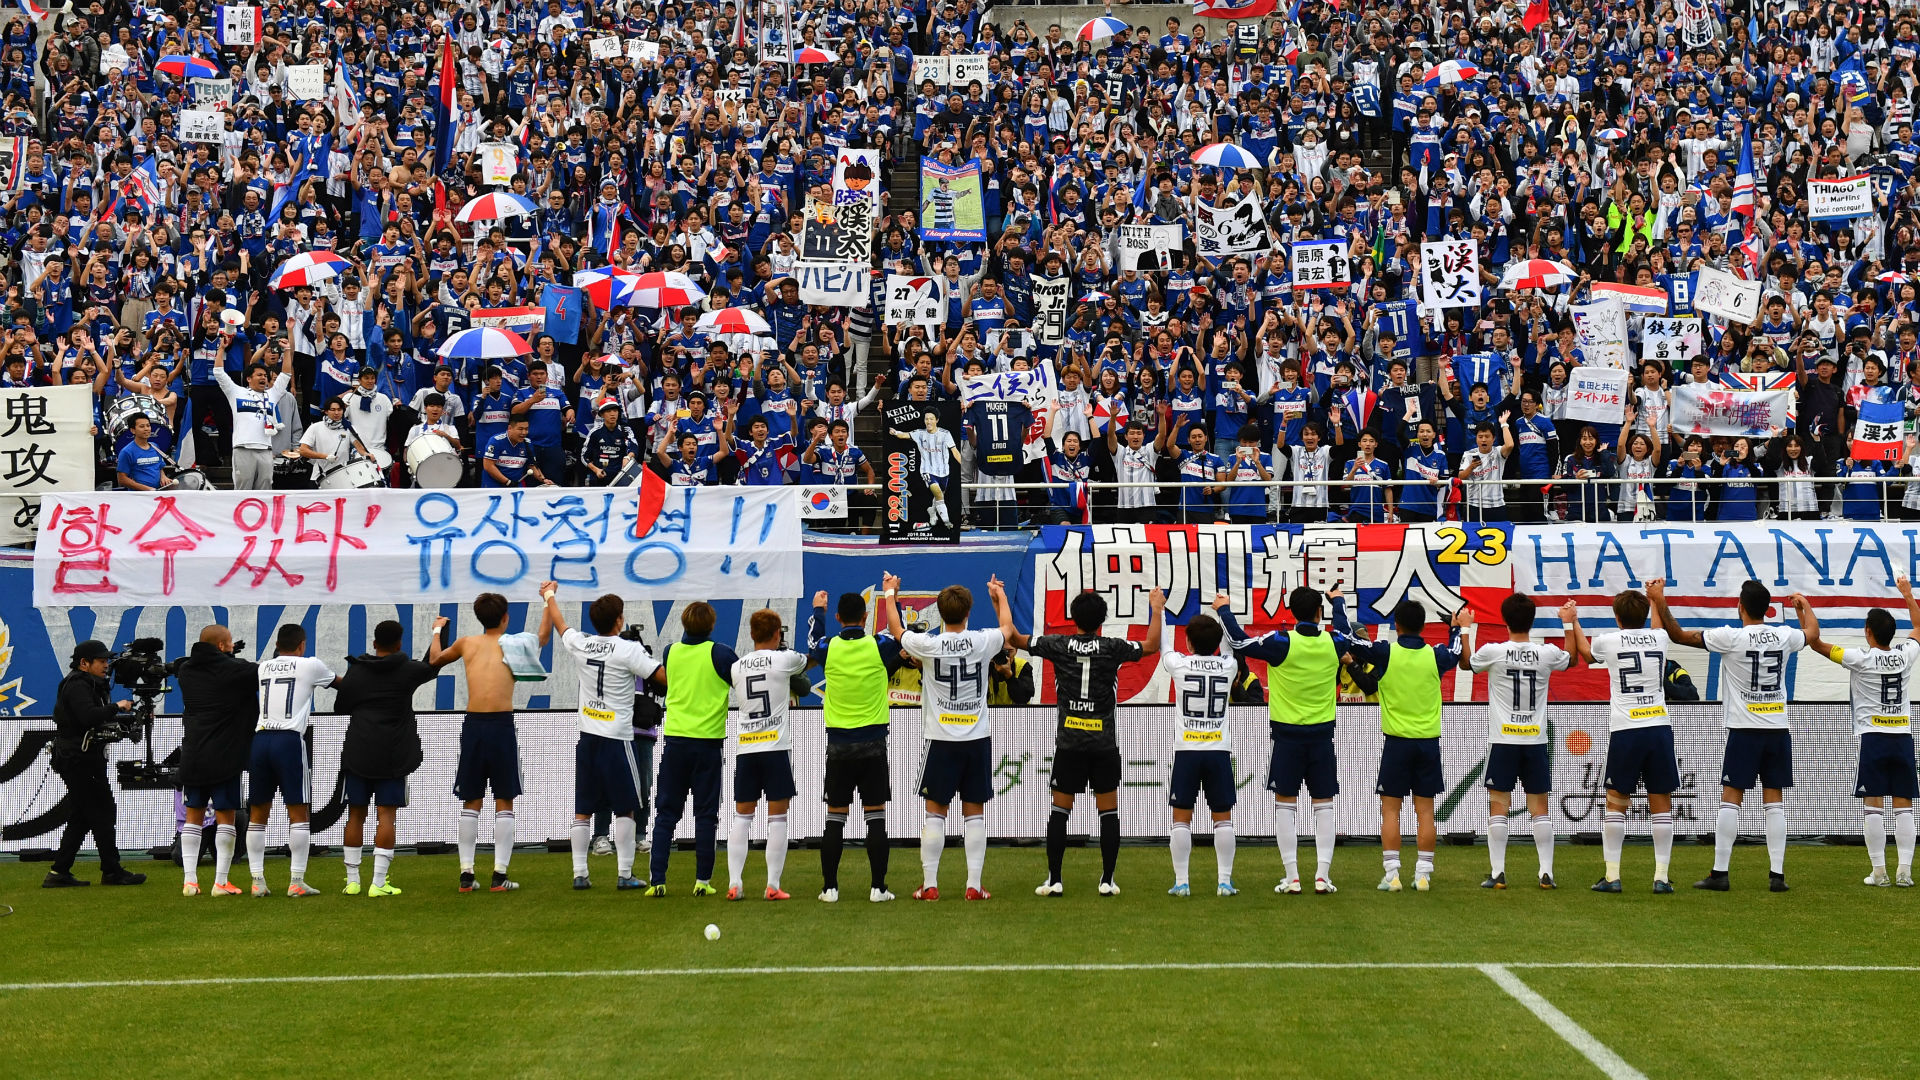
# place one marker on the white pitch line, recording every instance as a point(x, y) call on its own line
point(914, 969)
point(1563, 1025)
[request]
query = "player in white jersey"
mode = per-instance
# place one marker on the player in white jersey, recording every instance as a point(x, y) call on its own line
point(1518, 747)
point(1753, 698)
point(1639, 733)
point(1879, 686)
point(605, 774)
point(938, 453)
point(278, 760)
point(956, 670)
point(1202, 750)
point(762, 765)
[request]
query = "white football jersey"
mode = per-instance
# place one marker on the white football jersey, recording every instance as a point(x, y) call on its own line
point(1202, 686)
point(287, 684)
point(1878, 686)
point(1517, 673)
point(608, 668)
point(1637, 663)
point(762, 693)
point(1753, 675)
point(955, 672)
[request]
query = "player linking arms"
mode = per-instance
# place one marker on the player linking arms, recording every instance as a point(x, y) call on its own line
point(1202, 749)
point(762, 754)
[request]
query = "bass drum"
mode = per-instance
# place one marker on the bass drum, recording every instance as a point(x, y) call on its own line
point(433, 462)
point(628, 476)
point(119, 413)
point(292, 473)
point(191, 480)
point(359, 473)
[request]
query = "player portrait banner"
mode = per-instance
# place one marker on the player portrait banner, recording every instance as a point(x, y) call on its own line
point(1671, 342)
point(1711, 410)
point(1148, 248)
point(46, 444)
point(1720, 293)
point(950, 203)
point(1449, 276)
point(912, 299)
point(776, 31)
point(1601, 330)
point(834, 284)
point(376, 545)
point(203, 126)
point(211, 93)
point(1321, 264)
point(1052, 297)
point(1597, 394)
point(1840, 200)
point(856, 201)
point(922, 470)
point(1234, 229)
point(237, 24)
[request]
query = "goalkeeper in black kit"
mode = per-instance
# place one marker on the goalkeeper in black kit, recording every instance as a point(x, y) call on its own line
point(1086, 755)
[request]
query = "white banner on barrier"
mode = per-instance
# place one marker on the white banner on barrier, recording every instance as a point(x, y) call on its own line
point(396, 547)
point(46, 444)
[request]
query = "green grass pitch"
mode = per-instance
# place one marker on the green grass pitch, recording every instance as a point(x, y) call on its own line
point(1016, 986)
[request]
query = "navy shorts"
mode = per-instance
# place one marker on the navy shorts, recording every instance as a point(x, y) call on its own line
point(767, 774)
point(1303, 753)
point(605, 775)
point(1195, 771)
point(360, 791)
point(1410, 767)
point(1530, 764)
point(1886, 767)
point(962, 768)
point(279, 763)
point(1076, 770)
point(1638, 754)
point(489, 757)
point(224, 795)
point(1765, 754)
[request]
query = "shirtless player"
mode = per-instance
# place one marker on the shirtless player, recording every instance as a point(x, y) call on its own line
point(489, 746)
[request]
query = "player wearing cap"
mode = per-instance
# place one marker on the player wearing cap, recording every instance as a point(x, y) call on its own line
point(1518, 750)
point(278, 761)
point(1753, 697)
point(1878, 684)
point(956, 669)
point(762, 756)
point(1639, 732)
point(1202, 748)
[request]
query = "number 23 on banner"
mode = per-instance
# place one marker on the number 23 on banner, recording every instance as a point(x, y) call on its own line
point(1491, 552)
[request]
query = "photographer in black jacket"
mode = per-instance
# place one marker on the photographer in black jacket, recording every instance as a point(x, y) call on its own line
point(220, 705)
point(81, 706)
point(381, 750)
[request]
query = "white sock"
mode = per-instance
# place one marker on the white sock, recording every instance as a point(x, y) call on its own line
point(222, 853)
point(504, 824)
point(974, 830)
point(738, 843)
point(1286, 830)
point(350, 856)
point(776, 848)
point(623, 829)
point(1873, 828)
point(1726, 829)
point(1423, 862)
point(300, 842)
point(1180, 844)
point(1543, 842)
point(1323, 834)
point(1390, 861)
point(1777, 837)
point(933, 840)
point(469, 838)
point(1613, 837)
point(1903, 839)
point(580, 836)
point(1662, 844)
point(190, 853)
point(1223, 842)
point(382, 862)
point(1497, 844)
point(257, 851)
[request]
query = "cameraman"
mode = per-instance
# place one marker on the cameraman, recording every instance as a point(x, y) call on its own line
point(80, 707)
point(218, 697)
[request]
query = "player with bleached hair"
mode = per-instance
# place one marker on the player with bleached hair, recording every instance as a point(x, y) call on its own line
point(762, 759)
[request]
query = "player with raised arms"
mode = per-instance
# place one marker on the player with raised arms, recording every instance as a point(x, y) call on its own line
point(956, 669)
point(1202, 748)
point(1879, 685)
point(1639, 732)
point(699, 674)
point(489, 743)
point(856, 667)
point(278, 759)
point(1753, 700)
point(1518, 748)
point(762, 757)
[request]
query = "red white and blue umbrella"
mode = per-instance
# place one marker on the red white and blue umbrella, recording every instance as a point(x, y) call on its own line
point(307, 268)
point(811, 55)
point(1225, 155)
point(1450, 71)
point(664, 289)
point(1892, 277)
point(1093, 297)
point(494, 206)
point(607, 286)
point(1101, 29)
point(186, 67)
point(484, 343)
point(1611, 134)
point(1537, 274)
point(732, 320)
